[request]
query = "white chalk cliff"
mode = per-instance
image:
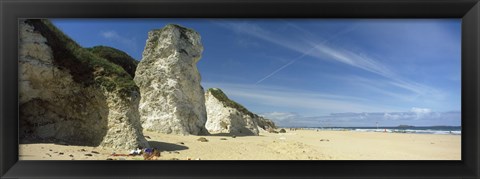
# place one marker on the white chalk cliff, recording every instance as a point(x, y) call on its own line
point(228, 117)
point(172, 98)
point(62, 99)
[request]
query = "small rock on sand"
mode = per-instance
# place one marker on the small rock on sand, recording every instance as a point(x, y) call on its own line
point(202, 139)
point(147, 137)
point(88, 155)
point(95, 152)
point(181, 143)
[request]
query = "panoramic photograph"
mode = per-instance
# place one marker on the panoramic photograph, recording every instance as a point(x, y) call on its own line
point(239, 89)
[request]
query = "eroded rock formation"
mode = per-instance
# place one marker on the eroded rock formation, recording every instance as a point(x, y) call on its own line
point(172, 98)
point(70, 95)
point(228, 117)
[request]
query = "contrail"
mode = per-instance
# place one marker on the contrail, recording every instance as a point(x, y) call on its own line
point(308, 52)
point(286, 65)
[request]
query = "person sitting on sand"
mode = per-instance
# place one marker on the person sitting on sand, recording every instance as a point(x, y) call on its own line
point(151, 154)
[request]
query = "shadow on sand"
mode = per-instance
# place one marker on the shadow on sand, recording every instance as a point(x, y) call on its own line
point(230, 135)
point(163, 146)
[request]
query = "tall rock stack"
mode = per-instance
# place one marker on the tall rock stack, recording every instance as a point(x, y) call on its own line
point(172, 101)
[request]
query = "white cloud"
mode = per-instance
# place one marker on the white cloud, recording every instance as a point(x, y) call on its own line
point(312, 48)
point(288, 119)
point(400, 90)
point(421, 110)
point(320, 50)
point(114, 36)
point(110, 35)
point(279, 116)
point(273, 96)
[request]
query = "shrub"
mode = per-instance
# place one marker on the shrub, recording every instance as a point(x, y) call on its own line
point(117, 57)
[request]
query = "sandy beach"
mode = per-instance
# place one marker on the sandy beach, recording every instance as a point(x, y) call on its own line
point(292, 145)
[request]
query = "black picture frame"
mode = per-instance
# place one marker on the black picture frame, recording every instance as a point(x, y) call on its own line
point(467, 10)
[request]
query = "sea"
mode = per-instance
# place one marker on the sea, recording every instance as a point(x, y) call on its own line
point(444, 130)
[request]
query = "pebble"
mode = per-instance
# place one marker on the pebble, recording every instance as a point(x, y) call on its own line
point(88, 155)
point(233, 136)
point(147, 137)
point(202, 139)
point(95, 152)
point(71, 155)
point(181, 143)
point(223, 138)
point(61, 153)
point(82, 150)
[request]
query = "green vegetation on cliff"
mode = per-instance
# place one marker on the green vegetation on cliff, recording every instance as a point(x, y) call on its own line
point(84, 66)
point(116, 56)
point(218, 93)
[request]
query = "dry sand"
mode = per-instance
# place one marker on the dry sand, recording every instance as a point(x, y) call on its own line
point(293, 145)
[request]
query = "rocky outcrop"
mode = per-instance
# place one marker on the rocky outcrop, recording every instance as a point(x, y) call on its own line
point(227, 116)
point(172, 98)
point(264, 123)
point(70, 95)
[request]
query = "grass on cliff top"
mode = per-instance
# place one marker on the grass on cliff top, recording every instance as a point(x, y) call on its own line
point(85, 67)
point(116, 56)
point(218, 93)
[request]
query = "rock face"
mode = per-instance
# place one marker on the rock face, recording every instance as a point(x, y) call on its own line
point(172, 98)
point(69, 95)
point(227, 116)
point(264, 124)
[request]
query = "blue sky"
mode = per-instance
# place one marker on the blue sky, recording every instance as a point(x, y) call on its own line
point(315, 72)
